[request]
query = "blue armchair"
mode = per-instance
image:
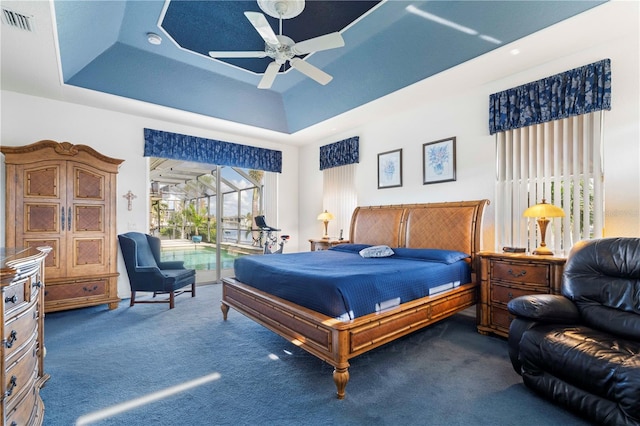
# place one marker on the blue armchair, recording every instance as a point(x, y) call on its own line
point(141, 253)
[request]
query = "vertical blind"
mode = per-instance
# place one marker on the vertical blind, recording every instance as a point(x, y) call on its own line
point(340, 197)
point(559, 161)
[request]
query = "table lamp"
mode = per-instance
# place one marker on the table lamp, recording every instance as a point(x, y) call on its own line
point(542, 212)
point(325, 217)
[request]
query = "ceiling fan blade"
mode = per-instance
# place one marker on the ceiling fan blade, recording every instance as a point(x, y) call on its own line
point(260, 23)
point(316, 44)
point(253, 54)
point(310, 71)
point(269, 75)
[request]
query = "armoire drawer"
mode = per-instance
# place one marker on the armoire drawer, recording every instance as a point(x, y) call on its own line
point(76, 290)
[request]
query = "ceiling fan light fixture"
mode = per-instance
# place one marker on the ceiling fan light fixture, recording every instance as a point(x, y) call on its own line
point(282, 9)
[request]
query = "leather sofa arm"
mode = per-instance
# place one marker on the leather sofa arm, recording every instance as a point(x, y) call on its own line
point(547, 308)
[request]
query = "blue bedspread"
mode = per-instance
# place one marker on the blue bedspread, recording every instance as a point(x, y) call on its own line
point(341, 284)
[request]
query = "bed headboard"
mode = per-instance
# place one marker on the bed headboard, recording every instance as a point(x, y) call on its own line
point(448, 225)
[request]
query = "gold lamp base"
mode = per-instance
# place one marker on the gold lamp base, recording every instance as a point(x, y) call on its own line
point(543, 251)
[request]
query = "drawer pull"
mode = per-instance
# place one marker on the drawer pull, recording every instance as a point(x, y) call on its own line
point(38, 284)
point(12, 384)
point(12, 339)
point(517, 274)
point(12, 299)
point(89, 289)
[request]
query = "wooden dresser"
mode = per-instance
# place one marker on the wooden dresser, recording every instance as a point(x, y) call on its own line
point(63, 196)
point(22, 370)
point(506, 276)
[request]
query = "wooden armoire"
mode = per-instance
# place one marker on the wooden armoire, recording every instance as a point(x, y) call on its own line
point(64, 196)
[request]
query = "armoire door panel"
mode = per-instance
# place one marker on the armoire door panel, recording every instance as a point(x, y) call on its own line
point(88, 252)
point(41, 218)
point(88, 218)
point(42, 182)
point(88, 185)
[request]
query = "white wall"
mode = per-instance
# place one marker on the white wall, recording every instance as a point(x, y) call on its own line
point(27, 119)
point(455, 103)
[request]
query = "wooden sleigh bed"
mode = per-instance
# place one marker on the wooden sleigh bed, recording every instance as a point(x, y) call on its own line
point(449, 225)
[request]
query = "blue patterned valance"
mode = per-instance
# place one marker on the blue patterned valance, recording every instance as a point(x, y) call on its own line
point(340, 153)
point(578, 91)
point(190, 148)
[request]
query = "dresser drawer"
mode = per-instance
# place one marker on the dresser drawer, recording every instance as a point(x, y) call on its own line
point(519, 272)
point(21, 373)
point(503, 294)
point(14, 296)
point(23, 411)
point(19, 330)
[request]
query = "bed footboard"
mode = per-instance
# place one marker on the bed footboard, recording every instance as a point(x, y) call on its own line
point(336, 342)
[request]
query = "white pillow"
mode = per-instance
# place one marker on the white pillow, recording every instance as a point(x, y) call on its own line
point(376, 251)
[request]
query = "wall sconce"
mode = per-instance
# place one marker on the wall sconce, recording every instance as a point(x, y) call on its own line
point(325, 217)
point(543, 211)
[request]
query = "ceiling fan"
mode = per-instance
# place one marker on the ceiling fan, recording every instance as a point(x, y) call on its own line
point(280, 47)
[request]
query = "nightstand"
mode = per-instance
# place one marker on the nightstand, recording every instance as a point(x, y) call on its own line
point(504, 276)
point(324, 244)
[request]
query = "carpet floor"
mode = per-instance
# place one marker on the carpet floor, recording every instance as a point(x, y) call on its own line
point(148, 365)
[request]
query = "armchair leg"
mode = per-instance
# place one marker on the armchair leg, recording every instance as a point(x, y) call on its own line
point(133, 298)
point(172, 300)
point(193, 289)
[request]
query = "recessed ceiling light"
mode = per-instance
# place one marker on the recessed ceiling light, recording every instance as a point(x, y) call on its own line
point(514, 52)
point(154, 38)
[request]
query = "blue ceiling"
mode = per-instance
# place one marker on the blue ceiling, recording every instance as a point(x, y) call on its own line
point(388, 45)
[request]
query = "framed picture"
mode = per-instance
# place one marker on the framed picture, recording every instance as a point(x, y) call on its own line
point(390, 169)
point(439, 161)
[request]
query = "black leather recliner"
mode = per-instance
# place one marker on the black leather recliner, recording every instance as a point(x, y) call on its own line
point(147, 272)
point(581, 349)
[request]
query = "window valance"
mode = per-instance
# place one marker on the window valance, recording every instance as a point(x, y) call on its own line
point(190, 148)
point(340, 153)
point(578, 91)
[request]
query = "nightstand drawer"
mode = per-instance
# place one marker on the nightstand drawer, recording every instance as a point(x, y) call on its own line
point(501, 318)
point(520, 272)
point(505, 294)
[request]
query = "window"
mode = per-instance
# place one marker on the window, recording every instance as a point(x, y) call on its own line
point(561, 162)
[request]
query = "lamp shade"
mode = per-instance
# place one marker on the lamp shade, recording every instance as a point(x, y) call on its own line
point(326, 216)
point(544, 209)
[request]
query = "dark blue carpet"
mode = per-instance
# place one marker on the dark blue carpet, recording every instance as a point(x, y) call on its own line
point(149, 365)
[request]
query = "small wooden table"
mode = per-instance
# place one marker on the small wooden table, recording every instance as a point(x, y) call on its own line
point(325, 243)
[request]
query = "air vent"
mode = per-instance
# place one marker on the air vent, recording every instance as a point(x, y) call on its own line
point(17, 20)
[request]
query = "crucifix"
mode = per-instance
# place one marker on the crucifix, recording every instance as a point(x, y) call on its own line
point(129, 196)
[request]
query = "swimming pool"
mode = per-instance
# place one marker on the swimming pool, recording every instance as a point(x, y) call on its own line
point(199, 257)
